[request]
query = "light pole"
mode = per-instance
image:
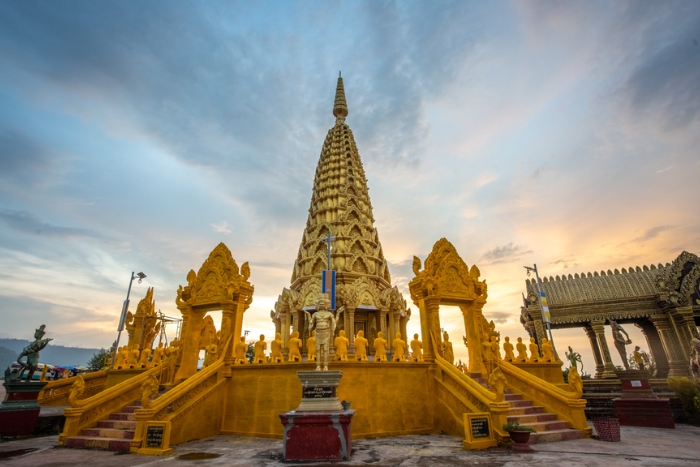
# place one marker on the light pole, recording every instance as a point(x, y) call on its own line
point(125, 308)
point(544, 308)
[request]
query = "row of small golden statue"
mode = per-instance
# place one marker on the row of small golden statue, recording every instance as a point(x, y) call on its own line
point(341, 344)
point(491, 351)
point(129, 358)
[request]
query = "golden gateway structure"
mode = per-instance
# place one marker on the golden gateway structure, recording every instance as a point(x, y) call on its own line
point(123, 409)
point(662, 301)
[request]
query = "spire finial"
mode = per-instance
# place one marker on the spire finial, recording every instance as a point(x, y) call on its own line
point(340, 108)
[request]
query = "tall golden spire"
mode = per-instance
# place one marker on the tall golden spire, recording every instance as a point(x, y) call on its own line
point(340, 206)
point(340, 108)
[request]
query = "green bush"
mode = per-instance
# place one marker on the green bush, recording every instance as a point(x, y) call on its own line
point(688, 391)
point(515, 426)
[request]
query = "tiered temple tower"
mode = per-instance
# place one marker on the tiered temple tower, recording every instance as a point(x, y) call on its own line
point(340, 205)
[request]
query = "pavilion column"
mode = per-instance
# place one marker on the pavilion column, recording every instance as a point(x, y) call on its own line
point(599, 364)
point(685, 324)
point(656, 348)
point(189, 344)
point(608, 366)
point(677, 364)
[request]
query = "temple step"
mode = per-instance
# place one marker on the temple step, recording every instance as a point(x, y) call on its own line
point(119, 424)
point(113, 433)
point(105, 444)
point(123, 416)
point(532, 418)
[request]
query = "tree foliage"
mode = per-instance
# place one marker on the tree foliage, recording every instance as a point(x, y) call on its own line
point(97, 362)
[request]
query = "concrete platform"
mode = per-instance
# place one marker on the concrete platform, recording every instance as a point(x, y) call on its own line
point(648, 447)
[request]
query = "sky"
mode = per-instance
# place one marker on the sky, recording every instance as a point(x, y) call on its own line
point(136, 136)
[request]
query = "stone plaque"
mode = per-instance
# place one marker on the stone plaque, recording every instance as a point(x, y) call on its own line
point(318, 392)
point(478, 433)
point(154, 436)
point(480, 428)
point(636, 384)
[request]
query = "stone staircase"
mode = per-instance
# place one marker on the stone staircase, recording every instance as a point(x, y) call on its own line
point(549, 427)
point(112, 434)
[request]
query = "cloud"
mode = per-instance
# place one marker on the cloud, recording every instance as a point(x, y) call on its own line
point(651, 233)
point(221, 227)
point(28, 223)
point(505, 253)
point(498, 317)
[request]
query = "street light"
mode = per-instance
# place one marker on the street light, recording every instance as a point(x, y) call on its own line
point(542, 299)
point(125, 308)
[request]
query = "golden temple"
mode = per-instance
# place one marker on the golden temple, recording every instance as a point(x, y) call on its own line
point(147, 409)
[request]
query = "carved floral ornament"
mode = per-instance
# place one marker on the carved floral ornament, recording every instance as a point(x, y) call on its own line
point(446, 274)
point(218, 280)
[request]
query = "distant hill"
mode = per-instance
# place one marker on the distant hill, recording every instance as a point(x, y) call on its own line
point(52, 354)
point(7, 356)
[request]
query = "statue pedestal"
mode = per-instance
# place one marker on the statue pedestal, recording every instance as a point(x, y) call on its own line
point(319, 429)
point(638, 405)
point(19, 411)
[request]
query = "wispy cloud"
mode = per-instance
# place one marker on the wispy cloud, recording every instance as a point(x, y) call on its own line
point(505, 253)
point(221, 227)
point(27, 223)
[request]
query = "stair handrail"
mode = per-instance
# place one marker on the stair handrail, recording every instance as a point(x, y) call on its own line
point(545, 386)
point(60, 388)
point(164, 400)
point(97, 399)
point(484, 395)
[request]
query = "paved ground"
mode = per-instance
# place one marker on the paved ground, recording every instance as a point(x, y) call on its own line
point(650, 447)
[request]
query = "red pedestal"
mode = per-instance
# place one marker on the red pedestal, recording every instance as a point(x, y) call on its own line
point(317, 435)
point(644, 412)
point(19, 411)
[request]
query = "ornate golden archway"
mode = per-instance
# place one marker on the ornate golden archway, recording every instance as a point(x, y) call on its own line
point(219, 285)
point(446, 280)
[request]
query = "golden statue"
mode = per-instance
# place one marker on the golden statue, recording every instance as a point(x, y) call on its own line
point(361, 347)
point(276, 349)
point(534, 351)
point(211, 353)
point(547, 350)
point(158, 355)
point(240, 350)
point(134, 357)
point(172, 354)
point(341, 346)
point(122, 361)
point(295, 348)
point(311, 347)
point(508, 349)
point(324, 323)
point(487, 356)
point(144, 360)
point(447, 352)
point(638, 358)
point(380, 348)
point(416, 349)
point(495, 349)
point(260, 348)
point(399, 348)
point(522, 351)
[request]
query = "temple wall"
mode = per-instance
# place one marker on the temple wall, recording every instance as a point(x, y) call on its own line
point(390, 398)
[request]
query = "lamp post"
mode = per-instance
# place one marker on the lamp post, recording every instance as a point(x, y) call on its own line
point(544, 308)
point(125, 308)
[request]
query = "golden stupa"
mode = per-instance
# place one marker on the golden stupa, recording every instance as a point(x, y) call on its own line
point(340, 205)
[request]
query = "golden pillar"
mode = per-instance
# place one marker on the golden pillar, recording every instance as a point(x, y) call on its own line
point(189, 342)
point(599, 364)
point(472, 315)
point(430, 327)
point(677, 363)
point(608, 366)
point(351, 332)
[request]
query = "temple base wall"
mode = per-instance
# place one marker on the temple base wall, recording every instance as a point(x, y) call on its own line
point(389, 399)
